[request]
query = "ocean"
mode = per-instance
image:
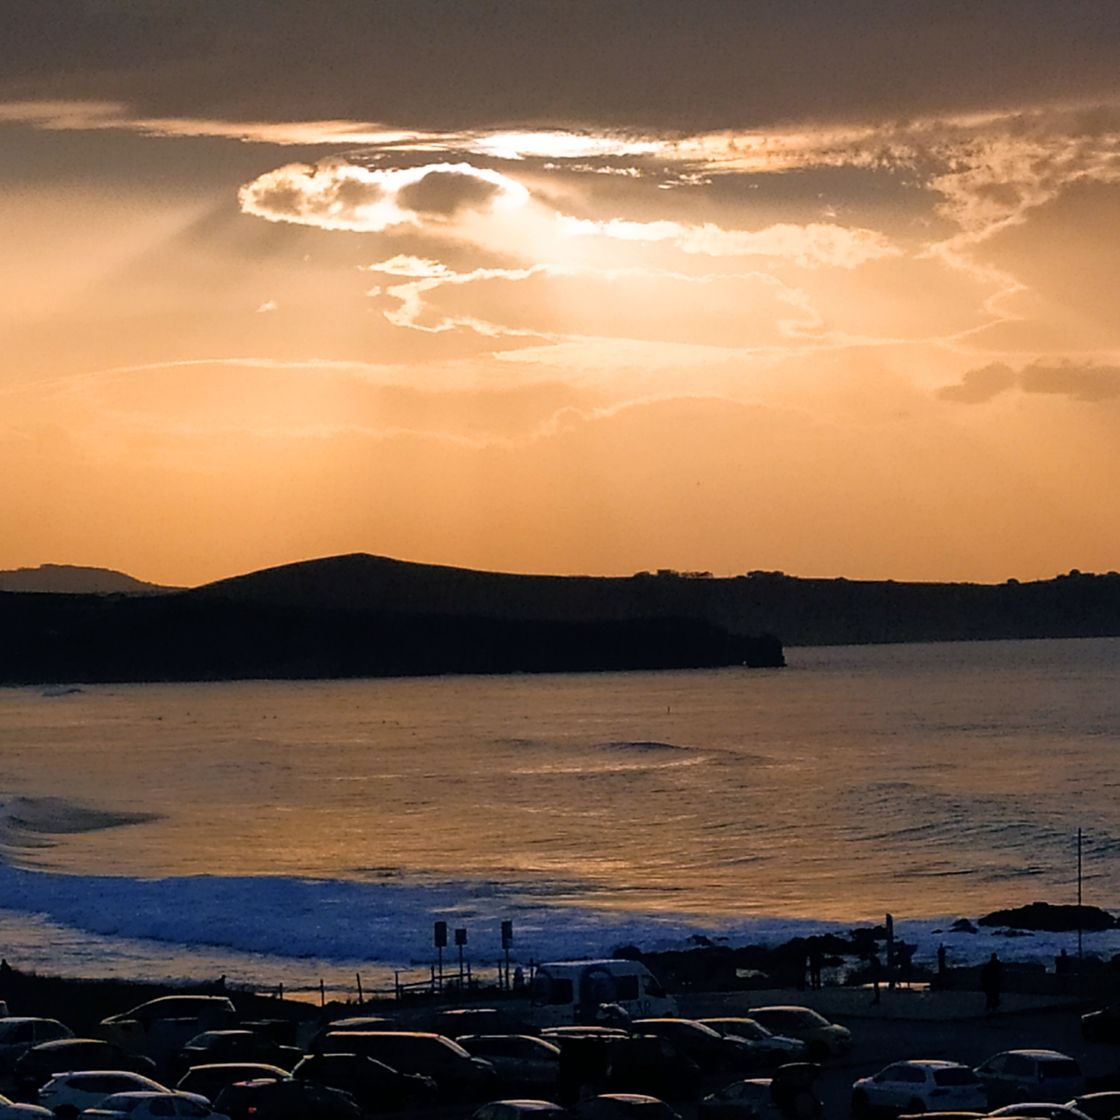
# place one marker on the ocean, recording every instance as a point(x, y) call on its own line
point(297, 831)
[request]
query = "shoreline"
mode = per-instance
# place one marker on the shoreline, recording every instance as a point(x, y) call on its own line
point(769, 954)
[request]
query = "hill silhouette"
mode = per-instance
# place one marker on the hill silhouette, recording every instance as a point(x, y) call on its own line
point(73, 579)
point(361, 615)
point(798, 611)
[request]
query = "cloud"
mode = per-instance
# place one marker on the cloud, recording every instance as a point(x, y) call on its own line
point(1078, 381)
point(337, 195)
point(979, 385)
point(557, 302)
point(806, 245)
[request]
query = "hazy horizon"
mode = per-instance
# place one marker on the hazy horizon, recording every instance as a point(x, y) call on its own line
point(561, 287)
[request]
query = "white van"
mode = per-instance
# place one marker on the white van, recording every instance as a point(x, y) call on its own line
point(571, 991)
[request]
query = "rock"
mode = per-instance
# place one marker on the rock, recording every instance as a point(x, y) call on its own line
point(1052, 919)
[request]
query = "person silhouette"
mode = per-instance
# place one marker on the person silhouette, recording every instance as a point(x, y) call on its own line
point(991, 982)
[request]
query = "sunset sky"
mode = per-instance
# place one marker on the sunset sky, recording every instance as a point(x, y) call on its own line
point(832, 288)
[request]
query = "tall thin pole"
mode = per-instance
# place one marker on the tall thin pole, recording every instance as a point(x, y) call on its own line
point(1080, 952)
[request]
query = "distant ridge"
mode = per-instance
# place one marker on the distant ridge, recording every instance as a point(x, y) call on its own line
point(72, 579)
point(798, 611)
point(363, 616)
point(356, 616)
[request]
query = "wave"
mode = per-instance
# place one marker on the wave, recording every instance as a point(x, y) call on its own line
point(31, 822)
point(389, 923)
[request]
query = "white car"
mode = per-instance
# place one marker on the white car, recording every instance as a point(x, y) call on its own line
point(153, 1106)
point(66, 1094)
point(919, 1086)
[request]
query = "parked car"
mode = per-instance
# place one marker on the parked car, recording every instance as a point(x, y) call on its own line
point(66, 1094)
point(235, 1046)
point(18, 1033)
point(624, 1106)
point(1097, 1106)
point(765, 1049)
point(353, 1023)
point(520, 1060)
point(374, 1085)
point(558, 1034)
point(458, 1075)
point(454, 1022)
point(749, 1099)
point(1102, 1025)
point(41, 1062)
point(822, 1038)
point(161, 1027)
point(1041, 1110)
point(1030, 1075)
point(621, 1063)
point(521, 1110)
point(218, 1010)
point(153, 1106)
point(711, 1051)
point(10, 1110)
point(286, 1100)
point(791, 1092)
point(210, 1080)
point(918, 1086)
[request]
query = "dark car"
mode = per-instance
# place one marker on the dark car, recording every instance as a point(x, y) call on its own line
point(36, 1066)
point(286, 1100)
point(619, 1063)
point(521, 1110)
point(318, 1043)
point(235, 1046)
point(19, 1033)
point(456, 1021)
point(210, 1080)
point(1102, 1025)
point(521, 1061)
point(791, 1093)
point(374, 1085)
point(625, 1106)
point(458, 1075)
point(1030, 1075)
point(711, 1051)
point(766, 1050)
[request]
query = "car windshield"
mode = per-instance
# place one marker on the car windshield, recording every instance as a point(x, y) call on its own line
point(954, 1076)
point(745, 1028)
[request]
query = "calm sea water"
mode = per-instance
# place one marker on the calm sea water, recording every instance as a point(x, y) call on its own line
point(332, 821)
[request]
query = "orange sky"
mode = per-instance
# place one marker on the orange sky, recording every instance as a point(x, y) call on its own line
point(875, 339)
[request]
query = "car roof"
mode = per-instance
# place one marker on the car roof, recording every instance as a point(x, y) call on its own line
point(392, 1034)
point(16, 1019)
point(529, 1105)
point(930, 1063)
point(68, 1043)
point(1029, 1053)
point(779, 1007)
point(130, 1074)
point(223, 1066)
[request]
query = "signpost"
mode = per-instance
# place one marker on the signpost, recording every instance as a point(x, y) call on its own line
point(440, 938)
point(507, 943)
